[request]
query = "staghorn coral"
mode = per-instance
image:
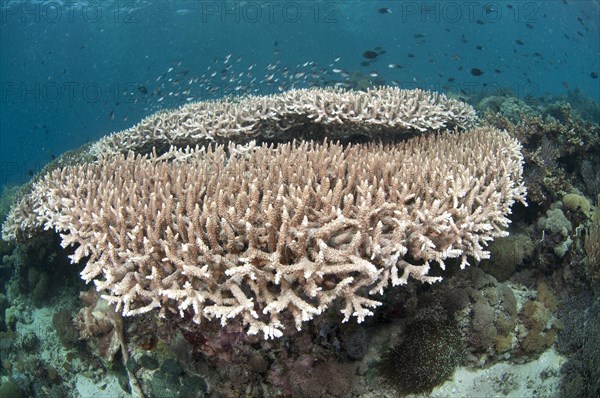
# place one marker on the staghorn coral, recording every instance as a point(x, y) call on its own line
point(268, 233)
point(306, 113)
point(296, 114)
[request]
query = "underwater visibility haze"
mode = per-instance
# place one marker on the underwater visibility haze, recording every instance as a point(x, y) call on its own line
point(299, 198)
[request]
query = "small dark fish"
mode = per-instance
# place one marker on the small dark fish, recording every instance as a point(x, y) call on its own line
point(476, 72)
point(580, 21)
point(497, 71)
point(419, 36)
point(461, 68)
point(30, 172)
point(53, 156)
point(519, 42)
point(489, 9)
point(594, 75)
point(276, 43)
point(479, 48)
point(567, 36)
point(509, 6)
point(365, 63)
point(529, 26)
point(451, 79)
point(537, 54)
point(464, 39)
point(143, 89)
point(410, 55)
point(566, 85)
point(480, 22)
point(370, 54)
point(579, 33)
point(384, 11)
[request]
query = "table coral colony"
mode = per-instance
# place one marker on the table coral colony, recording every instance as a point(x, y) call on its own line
point(270, 209)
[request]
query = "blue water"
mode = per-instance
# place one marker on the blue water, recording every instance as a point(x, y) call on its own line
point(71, 72)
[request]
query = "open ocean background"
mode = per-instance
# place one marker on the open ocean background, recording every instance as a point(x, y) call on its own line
point(74, 71)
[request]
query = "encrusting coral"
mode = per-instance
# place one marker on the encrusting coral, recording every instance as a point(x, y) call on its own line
point(273, 233)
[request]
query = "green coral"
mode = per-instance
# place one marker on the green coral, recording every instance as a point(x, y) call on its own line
point(510, 107)
point(577, 203)
point(506, 254)
point(556, 223)
point(10, 390)
point(10, 318)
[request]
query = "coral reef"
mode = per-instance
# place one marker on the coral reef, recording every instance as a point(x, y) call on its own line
point(578, 337)
point(300, 114)
point(192, 227)
point(592, 244)
point(506, 254)
point(590, 174)
point(426, 356)
point(98, 323)
point(10, 389)
point(560, 147)
point(63, 324)
point(576, 203)
point(305, 378)
point(510, 107)
point(556, 231)
point(538, 332)
point(498, 321)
